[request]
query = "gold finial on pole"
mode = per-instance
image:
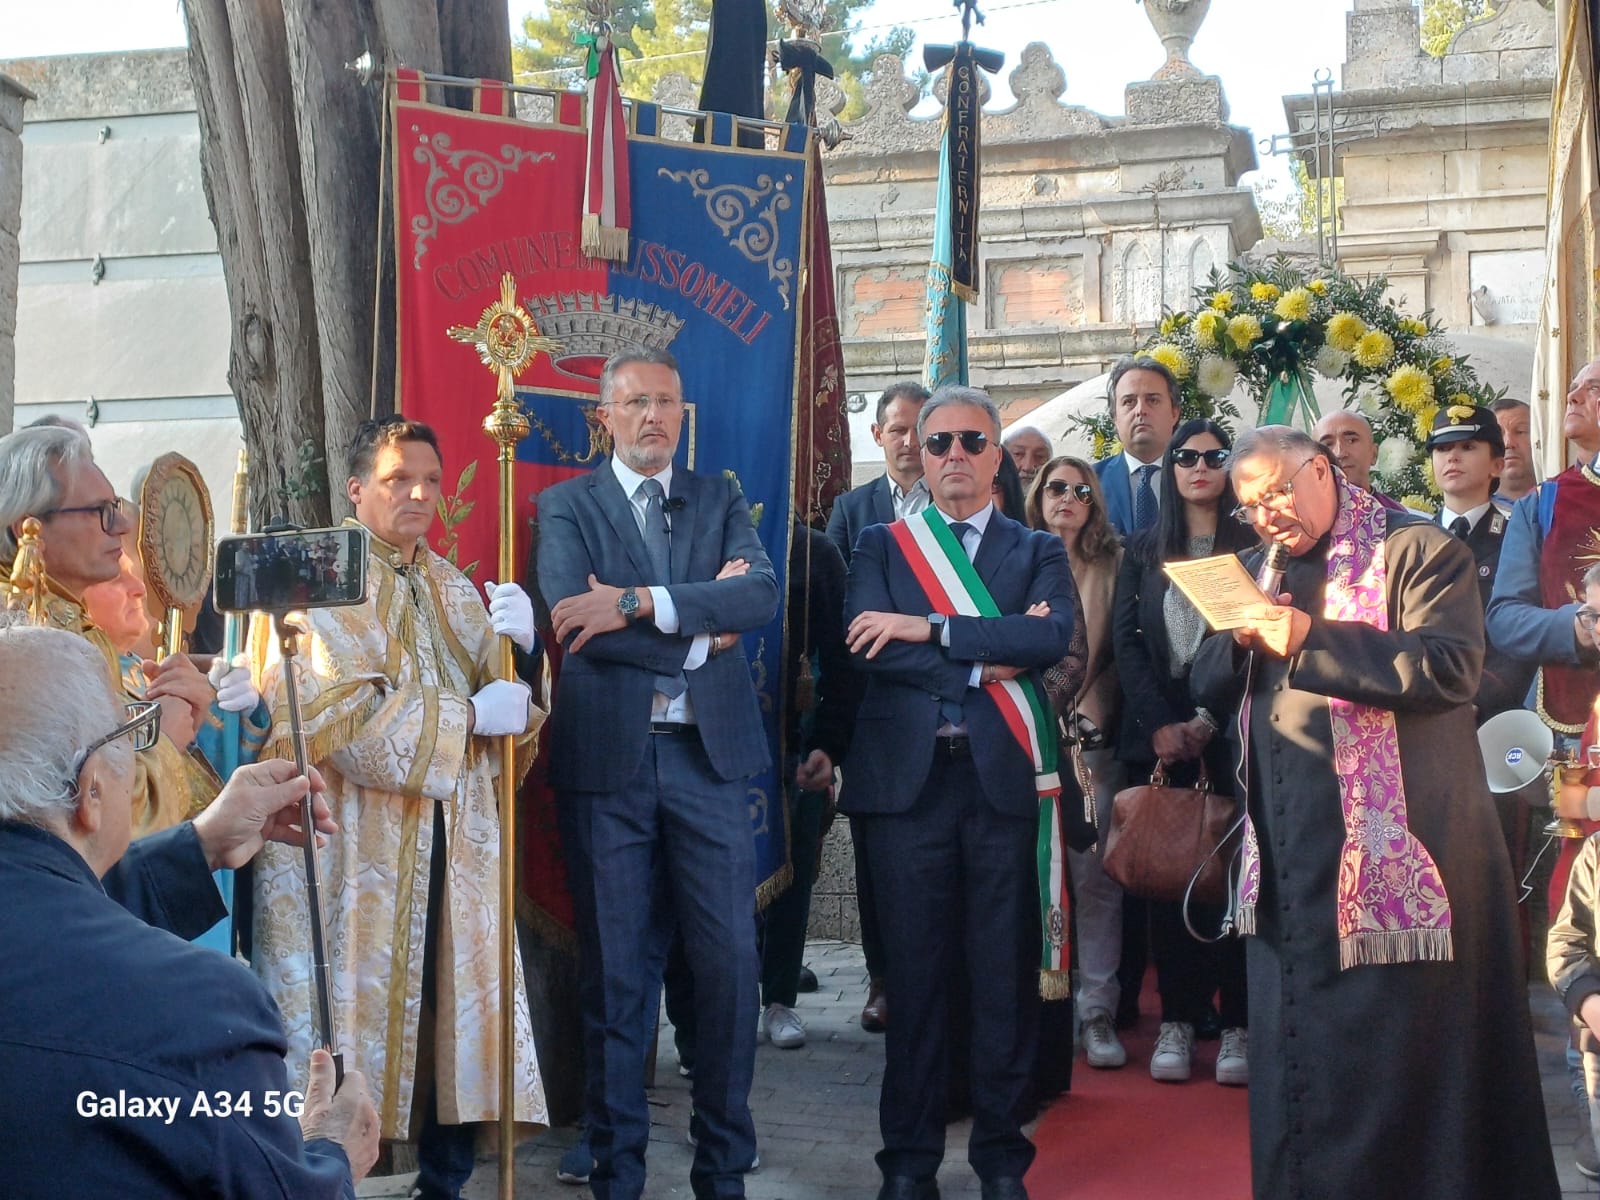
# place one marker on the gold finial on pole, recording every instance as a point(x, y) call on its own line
point(28, 590)
point(507, 341)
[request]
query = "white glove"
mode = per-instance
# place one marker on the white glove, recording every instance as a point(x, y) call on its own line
point(235, 691)
point(511, 613)
point(500, 707)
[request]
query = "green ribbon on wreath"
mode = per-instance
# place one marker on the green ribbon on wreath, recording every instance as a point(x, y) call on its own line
point(1289, 391)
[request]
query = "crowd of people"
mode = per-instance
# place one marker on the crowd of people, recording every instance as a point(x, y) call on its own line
point(975, 623)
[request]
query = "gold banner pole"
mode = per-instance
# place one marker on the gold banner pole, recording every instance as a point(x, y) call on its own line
point(507, 341)
point(28, 590)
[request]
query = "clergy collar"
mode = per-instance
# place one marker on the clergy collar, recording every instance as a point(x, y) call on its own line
point(1447, 515)
point(631, 479)
point(978, 520)
point(393, 556)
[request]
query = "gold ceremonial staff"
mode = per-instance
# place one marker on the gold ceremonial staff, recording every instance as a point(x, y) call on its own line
point(507, 341)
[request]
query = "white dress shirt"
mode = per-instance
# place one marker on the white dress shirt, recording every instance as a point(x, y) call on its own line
point(1447, 516)
point(979, 522)
point(909, 501)
point(1134, 467)
point(665, 618)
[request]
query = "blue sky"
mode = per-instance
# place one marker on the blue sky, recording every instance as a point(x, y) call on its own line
point(1262, 49)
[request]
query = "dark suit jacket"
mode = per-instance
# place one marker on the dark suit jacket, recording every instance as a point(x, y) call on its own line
point(869, 504)
point(906, 683)
point(816, 631)
point(1113, 474)
point(1151, 697)
point(600, 720)
point(97, 1001)
point(1506, 679)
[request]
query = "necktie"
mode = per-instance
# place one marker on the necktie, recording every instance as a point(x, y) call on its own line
point(1144, 500)
point(950, 712)
point(658, 544)
point(1460, 528)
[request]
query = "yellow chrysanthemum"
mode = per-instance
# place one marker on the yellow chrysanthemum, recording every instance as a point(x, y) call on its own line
point(1208, 327)
point(1442, 364)
point(1420, 503)
point(1414, 327)
point(1244, 331)
point(1319, 286)
point(1101, 444)
point(1424, 422)
point(1427, 474)
point(1410, 386)
point(1345, 329)
point(1373, 349)
point(1222, 301)
point(1172, 358)
point(1169, 325)
point(1264, 293)
point(1295, 305)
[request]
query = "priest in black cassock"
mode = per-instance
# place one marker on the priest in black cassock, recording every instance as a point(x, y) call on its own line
point(1392, 1052)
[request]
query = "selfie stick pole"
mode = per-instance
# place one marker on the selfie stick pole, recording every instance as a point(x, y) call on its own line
point(507, 340)
point(288, 644)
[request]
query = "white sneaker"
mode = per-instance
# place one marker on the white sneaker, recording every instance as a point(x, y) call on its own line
point(1174, 1054)
point(782, 1027)
point(1233, 1059)
point(1101, 1046)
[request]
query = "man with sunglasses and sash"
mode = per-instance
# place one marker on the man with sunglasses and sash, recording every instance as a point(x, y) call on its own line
point(49, 472)
point(1382, 961)
point(953, 612)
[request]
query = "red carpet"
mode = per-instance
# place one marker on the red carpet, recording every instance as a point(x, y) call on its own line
point(1120, 1135)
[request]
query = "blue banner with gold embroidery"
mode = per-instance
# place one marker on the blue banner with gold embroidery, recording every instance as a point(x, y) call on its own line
point(713, 275)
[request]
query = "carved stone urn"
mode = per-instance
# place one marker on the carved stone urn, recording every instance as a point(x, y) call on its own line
point(1176, 22)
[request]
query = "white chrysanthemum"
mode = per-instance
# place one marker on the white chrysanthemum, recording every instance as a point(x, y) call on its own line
point(1370, 402)
point(1395, 454)
point(1331, 362)
point(1217, 375)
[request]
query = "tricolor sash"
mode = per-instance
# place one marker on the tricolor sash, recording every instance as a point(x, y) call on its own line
point(952, 585)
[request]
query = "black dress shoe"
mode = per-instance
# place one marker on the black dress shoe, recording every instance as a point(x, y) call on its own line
point(905, 1187)
point(1007, 1187)
point(808, 981)
point(875, 1014)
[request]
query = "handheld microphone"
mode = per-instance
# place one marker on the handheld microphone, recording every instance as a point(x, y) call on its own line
point(1272, 567)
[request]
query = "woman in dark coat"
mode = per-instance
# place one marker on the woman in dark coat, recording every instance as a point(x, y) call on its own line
point(1393, 1053)
point(1156, 632)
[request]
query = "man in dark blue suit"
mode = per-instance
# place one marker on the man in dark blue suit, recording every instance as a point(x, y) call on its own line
point(899, 492)
point(1145, 410)
point(652, 574)
point(948, 795)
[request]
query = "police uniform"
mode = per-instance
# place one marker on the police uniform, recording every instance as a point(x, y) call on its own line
point(1505, 679)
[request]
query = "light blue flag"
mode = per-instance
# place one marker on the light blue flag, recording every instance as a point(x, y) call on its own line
point(945, 359)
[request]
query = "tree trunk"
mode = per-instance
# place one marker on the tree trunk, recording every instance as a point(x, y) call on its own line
point(290, 154)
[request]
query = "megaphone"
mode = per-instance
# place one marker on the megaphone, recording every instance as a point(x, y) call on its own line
point(1516, 749)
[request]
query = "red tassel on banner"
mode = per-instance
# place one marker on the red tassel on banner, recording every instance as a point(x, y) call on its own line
point(607, 214)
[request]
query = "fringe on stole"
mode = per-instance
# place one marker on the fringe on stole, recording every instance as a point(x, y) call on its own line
point(1244, 921)
point(1055, 985)
point(770, 889)
point(1395, 946)
point(320, 745)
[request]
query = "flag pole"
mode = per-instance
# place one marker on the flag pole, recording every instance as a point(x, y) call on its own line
point(507, 341)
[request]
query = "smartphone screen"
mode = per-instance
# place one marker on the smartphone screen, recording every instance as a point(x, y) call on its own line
point(281, 572)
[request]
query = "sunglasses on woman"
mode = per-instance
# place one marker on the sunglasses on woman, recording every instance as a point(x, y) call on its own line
point(1187, 458)
point(1058, 488)
point(938, 444)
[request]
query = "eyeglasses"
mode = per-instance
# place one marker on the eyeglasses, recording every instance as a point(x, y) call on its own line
point(1588, 618)
point(636, 405)
point(1215, 459)
point(109, 511)
point(143, 725)
point(1271, 500)
point(938, 444)
point(1082, 492)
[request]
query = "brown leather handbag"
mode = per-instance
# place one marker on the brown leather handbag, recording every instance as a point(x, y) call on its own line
point(1162, 838)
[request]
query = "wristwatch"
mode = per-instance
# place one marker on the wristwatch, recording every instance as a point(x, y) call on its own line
point(628, 604)
point(936, 628)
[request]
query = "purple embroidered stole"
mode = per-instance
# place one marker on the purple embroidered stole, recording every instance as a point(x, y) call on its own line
point(1391, 901)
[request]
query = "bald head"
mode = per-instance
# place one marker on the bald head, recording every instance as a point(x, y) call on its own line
point(1348, 437)
point(46, 729)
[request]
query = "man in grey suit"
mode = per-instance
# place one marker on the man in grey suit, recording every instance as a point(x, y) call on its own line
point(899, 492)
point(652, 573)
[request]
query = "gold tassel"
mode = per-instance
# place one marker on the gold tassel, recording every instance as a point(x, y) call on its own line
point(599, 241)
point(1055, 985)
point(29, 592)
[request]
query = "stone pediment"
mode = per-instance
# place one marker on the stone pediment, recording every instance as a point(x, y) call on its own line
point(1038, 115)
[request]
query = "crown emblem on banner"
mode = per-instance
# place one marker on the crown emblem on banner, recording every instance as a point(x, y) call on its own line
point(592, 328)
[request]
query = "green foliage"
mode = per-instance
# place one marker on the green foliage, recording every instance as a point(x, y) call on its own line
point(1443, 19)
point(662, 37)
point(306, 479)
point(1295, 216)
point(1280, 326)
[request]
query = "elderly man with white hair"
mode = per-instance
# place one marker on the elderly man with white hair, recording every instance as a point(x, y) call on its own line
point(132, 1063)
point(49, 472)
